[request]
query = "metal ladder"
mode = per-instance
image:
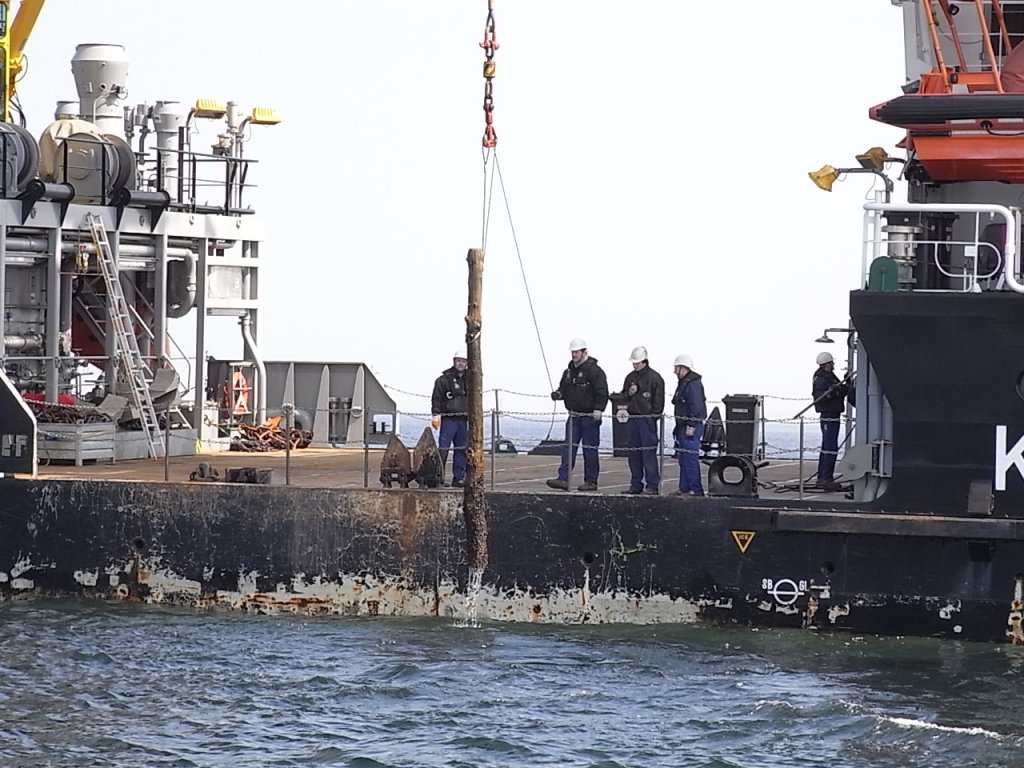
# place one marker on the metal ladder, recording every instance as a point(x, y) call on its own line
point(126, 347)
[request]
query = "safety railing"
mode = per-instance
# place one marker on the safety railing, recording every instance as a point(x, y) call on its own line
point(970, 262)
point(538, 438)
point(200, 182)
point(105, 172)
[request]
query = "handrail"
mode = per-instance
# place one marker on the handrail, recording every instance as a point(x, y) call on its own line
point(183, 356)
point(1010, 260)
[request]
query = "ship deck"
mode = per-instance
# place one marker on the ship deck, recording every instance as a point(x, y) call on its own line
point(354, 468)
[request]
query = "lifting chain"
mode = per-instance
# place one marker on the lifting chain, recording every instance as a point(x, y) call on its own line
point(490, 45)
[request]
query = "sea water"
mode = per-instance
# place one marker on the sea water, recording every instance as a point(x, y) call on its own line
point(92, 683)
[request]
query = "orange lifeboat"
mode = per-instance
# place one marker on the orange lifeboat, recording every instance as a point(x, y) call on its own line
point(964, 125)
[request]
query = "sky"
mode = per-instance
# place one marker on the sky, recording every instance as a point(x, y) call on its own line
point(654, 153)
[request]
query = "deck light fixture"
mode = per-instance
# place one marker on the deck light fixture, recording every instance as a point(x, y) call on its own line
point(208, 109)
point(826, 176)
point(263, 116)
point(825, 339)
point(873, 159)
point(258, 116)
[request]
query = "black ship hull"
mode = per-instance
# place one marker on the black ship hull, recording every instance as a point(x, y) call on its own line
point(552, 558)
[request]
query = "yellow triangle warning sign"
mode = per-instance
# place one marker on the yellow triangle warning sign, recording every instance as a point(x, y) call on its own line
point(743, 539)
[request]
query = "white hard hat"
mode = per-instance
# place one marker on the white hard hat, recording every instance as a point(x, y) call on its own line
point(460, 354)
point(823, 357)
point(638, 355)
point(577, 344)
point(685, 361)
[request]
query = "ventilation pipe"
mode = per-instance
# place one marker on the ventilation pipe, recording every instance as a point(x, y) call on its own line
point(101, 77)
point(168, 118)
point(66, 286)
point(261, 392)
point(66, 110)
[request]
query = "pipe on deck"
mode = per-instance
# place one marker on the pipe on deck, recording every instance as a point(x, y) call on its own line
point(261, 393)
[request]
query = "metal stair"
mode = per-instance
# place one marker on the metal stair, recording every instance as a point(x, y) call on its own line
point(126, 347)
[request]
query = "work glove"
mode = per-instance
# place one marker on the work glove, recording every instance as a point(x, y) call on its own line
point(690, 431)
point(597, 416)
point(556, 395)
point(436, 422)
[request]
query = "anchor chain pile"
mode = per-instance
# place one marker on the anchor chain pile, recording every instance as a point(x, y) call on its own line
point(269, 436)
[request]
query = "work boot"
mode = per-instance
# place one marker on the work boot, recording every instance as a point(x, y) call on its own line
point(634, 491)
point(458, 483)
point(652, 491)
point(588, 487)
point(560, 485)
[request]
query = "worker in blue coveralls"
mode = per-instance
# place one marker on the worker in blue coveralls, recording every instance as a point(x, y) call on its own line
point(691, 410)
point(449, 406)
point(645, 392)
point(584, 389)
point(829, 395)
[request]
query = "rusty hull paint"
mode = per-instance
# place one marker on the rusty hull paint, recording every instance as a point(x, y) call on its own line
point(565, 558)
point(223, 544)
point(345, 552)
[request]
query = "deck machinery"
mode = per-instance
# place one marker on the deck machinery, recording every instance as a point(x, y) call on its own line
point(111, 225)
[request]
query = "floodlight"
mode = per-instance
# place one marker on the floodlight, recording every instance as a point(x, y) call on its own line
point(264, 116)
point(824, 177)
point(209, 109)
point(873, 159)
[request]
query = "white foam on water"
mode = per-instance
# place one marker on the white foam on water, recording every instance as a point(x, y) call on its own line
point(906, 722)
point(473, 587)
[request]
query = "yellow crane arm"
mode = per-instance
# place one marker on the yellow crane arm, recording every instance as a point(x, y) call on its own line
point(22, 27)
point(13, 40)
